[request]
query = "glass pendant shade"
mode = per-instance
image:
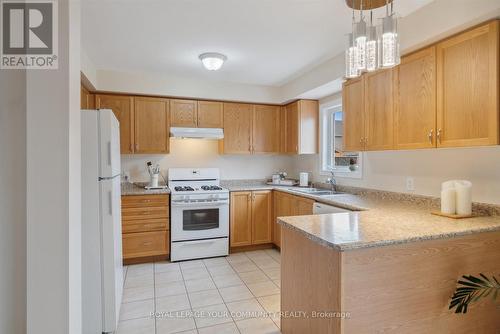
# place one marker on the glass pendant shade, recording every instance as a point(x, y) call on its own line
point(389, 42)
point(372, 50)
point(351, 58)
point(360, 42)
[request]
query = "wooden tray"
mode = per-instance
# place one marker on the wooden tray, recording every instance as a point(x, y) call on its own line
point(438, 213)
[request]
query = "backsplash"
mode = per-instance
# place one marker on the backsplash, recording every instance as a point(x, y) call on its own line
point(204, 153)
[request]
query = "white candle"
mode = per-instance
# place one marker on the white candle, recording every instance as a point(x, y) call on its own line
point(448, 201)
point(464, 197)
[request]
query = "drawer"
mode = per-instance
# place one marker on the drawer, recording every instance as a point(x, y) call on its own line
point(150, 212)
point(145, 244)
point(134, 201)
point(145, 225)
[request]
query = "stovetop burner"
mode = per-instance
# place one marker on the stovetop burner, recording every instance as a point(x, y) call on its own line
point(184, 188)
point(211, 188)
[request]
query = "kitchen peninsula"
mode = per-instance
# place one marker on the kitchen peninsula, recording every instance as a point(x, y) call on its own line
point(390, 269)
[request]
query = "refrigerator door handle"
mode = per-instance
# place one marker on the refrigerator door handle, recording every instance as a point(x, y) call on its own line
point(110, 203)
point(109, 153)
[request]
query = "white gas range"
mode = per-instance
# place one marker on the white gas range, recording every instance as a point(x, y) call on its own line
point(199, 214)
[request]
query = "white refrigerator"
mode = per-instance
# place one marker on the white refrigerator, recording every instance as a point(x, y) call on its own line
point(102, 266)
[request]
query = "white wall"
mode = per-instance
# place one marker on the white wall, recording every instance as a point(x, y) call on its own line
point(168, 85)
point(12, 201)
point(53, 186)
point(204, 153)
point(429, 167)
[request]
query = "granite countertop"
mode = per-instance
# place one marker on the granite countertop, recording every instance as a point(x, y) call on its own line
point(137, 188)
point(386, 220)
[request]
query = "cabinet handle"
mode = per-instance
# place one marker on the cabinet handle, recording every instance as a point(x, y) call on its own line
point(431, 135)
point(136, 147)
point(438, 135)
point(147, 243)
point(131, 149)
point(361, 140)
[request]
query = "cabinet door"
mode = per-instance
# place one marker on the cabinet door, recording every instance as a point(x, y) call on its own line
point(283, 208)
point(307, 140)
point(210, 114)
point(87, 100)
point(261, 217)
point(241, 219)
point(183, 113)
point(266, 129)
point(354, 115)
point(151, 125)
point(304, 206)
point(415, 100)
point(467, 86)
point(379, 110)
point(282, 120)
point(123, 108)
point(292, 128)
point(237, 128)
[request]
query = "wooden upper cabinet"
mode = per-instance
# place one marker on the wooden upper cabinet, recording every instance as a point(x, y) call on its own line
point(266, 129)
point(261, 217)
point(301, 127)
point(151, 125)
point(123, 108)
point(87, 99)
point(210, 114)
point(379, 110)
point(292, 128)
point(241, 219)
point(282, 139)
point(237, 128)
point(183, 113)
point(467, 88)
point(354, 115)
point(415, 100)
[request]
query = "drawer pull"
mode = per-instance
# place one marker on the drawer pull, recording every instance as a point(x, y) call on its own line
point(148, 243)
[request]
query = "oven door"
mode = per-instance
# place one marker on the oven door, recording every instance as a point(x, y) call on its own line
point(194, 221)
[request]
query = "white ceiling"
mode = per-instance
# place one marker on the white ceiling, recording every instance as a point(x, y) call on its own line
point(267, 42)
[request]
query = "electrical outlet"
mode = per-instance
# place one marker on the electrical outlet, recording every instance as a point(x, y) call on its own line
point(410, 184)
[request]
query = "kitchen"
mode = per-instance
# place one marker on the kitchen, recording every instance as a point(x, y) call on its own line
point(324, 166)
point(207, 244)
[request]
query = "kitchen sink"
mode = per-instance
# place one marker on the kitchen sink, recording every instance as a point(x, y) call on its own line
point(318, 192)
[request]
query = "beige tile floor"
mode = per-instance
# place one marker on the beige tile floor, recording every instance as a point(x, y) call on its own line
point(239, 293)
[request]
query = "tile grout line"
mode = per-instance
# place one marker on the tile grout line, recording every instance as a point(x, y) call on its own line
point(189, 299)
point(218, 291)
point(257, 298)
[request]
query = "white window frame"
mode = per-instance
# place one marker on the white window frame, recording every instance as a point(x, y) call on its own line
point(325, 129)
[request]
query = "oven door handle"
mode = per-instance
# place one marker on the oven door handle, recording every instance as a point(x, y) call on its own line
point(197, 204)
point(199, 242)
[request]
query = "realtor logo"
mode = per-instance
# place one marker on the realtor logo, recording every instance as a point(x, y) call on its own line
point(29, 34)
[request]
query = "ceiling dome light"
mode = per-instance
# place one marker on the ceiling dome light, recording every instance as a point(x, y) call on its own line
point(212, 61)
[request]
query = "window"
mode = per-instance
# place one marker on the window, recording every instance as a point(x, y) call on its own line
point(332, 155)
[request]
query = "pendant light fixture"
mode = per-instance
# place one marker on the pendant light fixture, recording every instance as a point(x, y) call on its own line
point(360, 39)
point(365, 49)
point(351, 58)
point(389, 40)
point(351, 54)
point(372, 47)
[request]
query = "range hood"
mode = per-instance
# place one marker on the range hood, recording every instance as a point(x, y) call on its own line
point(201, 133)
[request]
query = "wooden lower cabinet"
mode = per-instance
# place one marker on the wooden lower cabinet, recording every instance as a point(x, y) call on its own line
point(145, 227)
point(288, 205)
point(144, 244)
point(250, 218)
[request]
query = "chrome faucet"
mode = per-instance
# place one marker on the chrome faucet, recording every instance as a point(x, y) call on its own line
point(332, 181)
